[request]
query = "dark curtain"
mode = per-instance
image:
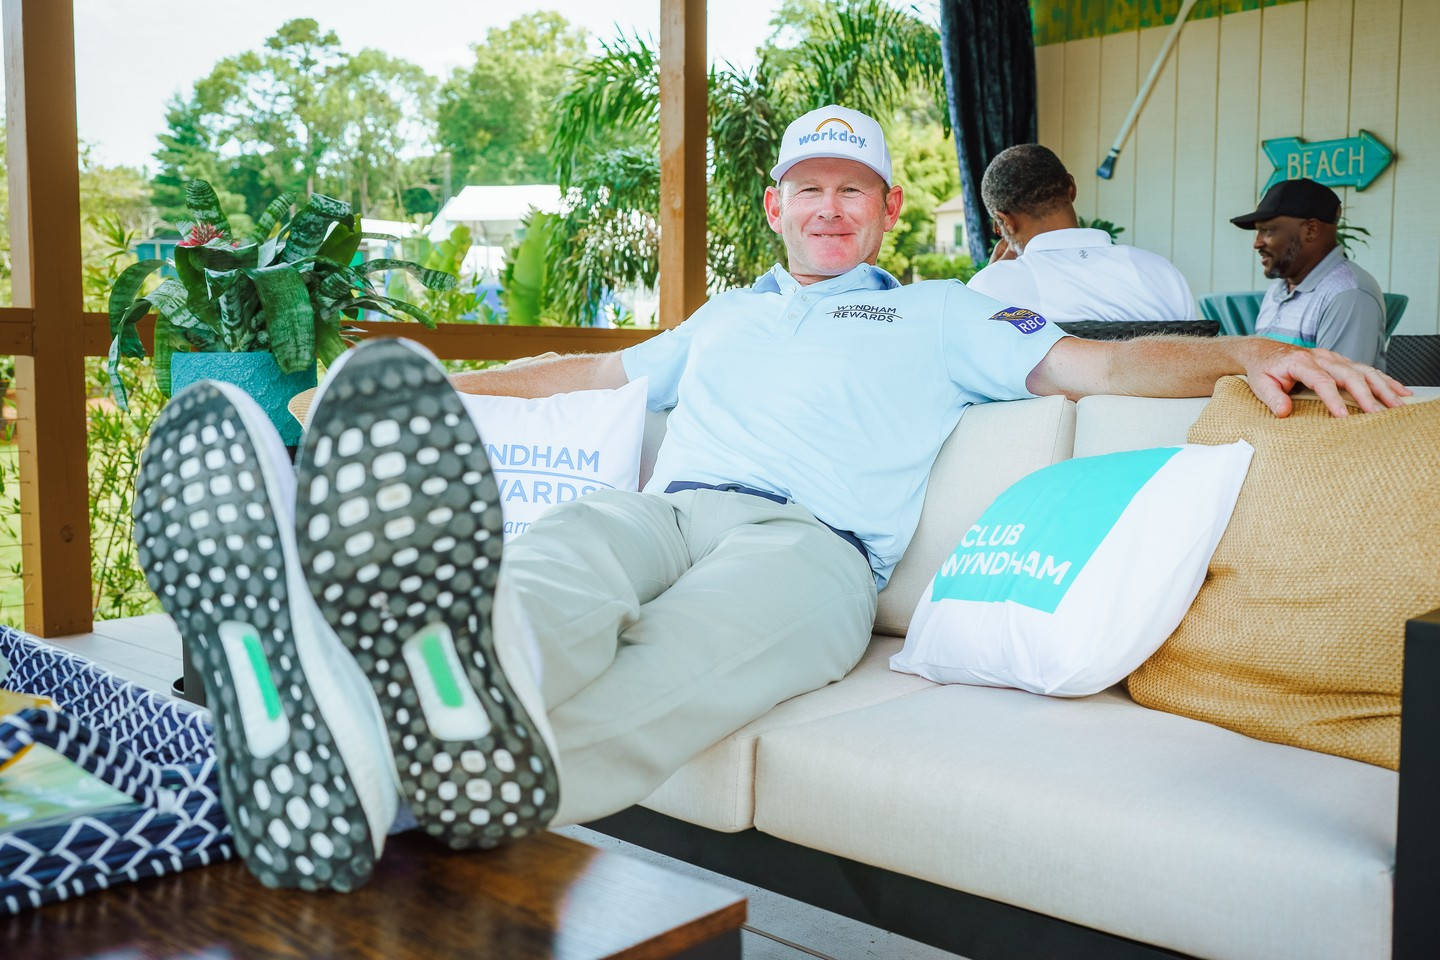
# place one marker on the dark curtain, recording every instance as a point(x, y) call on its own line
point(989, 56)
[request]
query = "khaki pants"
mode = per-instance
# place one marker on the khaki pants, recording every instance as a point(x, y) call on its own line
point(666, 622)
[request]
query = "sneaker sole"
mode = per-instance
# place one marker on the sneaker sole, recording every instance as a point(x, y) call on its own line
point(207, 540)
point(399, 524)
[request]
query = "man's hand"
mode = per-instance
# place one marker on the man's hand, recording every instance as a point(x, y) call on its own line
point(1275, 368)
point(1002, 251)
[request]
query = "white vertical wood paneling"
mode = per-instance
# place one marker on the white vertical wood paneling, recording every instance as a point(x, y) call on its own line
point(1327, 68)
point(1119, 79)
point(1193, 232)
point(1152, 152)
point(1050, 94)
point(1415, 256)
point(1281, 93)
point(1235, 157)
point(1373, 97)
point(1317, 69)
point(1082, 120)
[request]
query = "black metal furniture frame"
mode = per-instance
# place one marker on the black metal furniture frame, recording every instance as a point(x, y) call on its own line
point(985, 929)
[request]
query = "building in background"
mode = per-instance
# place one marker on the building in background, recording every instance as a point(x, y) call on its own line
point(950, 226)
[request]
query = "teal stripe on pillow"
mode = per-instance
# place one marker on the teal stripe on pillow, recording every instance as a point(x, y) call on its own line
point(1032, 542)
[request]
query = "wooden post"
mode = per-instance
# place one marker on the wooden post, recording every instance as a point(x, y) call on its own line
point(45, 253)
point(683, 132)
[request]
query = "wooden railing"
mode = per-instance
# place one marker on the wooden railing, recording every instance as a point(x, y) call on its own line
point(49, 334)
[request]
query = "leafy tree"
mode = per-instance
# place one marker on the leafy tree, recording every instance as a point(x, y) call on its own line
point(863, 53)
point(269, 103)
point(924, 163)
point(375, 107)
point(300, 115)
point(493, 117)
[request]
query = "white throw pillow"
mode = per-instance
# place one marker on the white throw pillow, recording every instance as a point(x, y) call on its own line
point(1078, 572)
point(557, 449)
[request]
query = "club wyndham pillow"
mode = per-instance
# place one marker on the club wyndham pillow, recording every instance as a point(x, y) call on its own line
point(557, 449)
point(1078, 572)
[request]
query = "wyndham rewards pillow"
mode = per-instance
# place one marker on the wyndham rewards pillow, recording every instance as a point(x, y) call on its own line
point(557, 449)
point(1077, 572)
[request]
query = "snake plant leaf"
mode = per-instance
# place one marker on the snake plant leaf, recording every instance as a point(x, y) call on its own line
point(265, 256)
point(341, 245)
point(197, 286)
point(329, 343)
point(289, 316)
point(392, 307)
point(337, 286)
point(307, 229)
point(430, 279)
point(164, 347)
point(126, 290)
point(276, 209)
point(112, 367)
point(204, 206)
point(221, 256)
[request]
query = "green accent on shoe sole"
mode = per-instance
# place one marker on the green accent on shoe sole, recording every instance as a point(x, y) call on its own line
point(268, 693)
point(445, 685)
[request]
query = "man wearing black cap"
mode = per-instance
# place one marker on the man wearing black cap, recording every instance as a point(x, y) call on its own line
point(1319, 297)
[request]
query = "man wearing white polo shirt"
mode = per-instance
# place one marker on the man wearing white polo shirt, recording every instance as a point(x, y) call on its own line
point(1047, 262)
point(626, 632)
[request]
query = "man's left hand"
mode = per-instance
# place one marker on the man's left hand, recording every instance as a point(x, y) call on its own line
point(1275, 368)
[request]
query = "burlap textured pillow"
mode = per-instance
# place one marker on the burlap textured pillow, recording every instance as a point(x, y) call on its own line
point(1296, 636)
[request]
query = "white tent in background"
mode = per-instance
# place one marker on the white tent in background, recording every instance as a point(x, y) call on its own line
point(494, 215)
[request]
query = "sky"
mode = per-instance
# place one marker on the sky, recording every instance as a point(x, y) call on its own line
point(132, 56)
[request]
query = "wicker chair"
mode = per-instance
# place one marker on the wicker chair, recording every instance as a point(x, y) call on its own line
point(1414, 359)
point(1130, 329)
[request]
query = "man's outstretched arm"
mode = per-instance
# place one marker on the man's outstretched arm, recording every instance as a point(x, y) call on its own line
point(1189, 366)
point(542, 378)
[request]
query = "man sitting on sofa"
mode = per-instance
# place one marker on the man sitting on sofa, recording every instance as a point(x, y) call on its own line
point(1046, 262)
point(1320, 298)
point(626, 632)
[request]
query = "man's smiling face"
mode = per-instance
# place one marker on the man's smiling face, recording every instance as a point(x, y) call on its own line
point(832, 215)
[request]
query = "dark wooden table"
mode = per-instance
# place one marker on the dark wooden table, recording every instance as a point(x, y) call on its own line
point(547, 896)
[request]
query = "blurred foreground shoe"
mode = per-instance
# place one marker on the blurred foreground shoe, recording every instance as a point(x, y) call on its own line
point(399, 524)
point(303, 762)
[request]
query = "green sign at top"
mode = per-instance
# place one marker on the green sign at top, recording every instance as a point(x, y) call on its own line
point(1346, 162)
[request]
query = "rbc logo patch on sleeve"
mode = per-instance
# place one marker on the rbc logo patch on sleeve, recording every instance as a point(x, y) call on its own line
point(1026, 321)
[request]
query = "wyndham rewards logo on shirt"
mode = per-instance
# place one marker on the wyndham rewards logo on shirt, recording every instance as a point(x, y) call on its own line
point(1026, 321)
point(823, 131)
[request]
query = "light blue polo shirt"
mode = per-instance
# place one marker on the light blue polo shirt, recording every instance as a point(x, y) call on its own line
point(836, 395)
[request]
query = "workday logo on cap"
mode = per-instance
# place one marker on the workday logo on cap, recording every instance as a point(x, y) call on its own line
point(834, 131)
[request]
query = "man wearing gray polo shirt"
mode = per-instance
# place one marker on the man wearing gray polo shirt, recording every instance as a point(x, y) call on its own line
point(1320, 298)
point(357, 630)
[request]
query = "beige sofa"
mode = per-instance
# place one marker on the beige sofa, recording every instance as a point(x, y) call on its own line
point(1116, 830)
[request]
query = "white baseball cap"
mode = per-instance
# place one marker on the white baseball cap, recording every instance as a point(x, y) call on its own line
point(834, 131)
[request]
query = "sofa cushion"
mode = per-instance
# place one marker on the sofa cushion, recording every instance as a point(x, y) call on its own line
point(1133, 821)
point(1297, 634)
point(716, 789)
point(1105, 424)
point(1028, 598)
point(994, 445)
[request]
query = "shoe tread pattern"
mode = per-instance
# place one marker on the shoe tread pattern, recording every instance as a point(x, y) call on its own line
point(399, 524)
point(207, 541)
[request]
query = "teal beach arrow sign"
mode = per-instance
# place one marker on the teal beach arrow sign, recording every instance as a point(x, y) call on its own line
point(1346, 162)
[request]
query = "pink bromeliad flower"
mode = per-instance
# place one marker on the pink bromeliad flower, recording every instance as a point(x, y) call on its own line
point(201, 234)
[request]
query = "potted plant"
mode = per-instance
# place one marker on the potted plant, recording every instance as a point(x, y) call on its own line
point(258, 311)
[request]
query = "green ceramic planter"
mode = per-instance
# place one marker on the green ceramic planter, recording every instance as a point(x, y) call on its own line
point(255, 373)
